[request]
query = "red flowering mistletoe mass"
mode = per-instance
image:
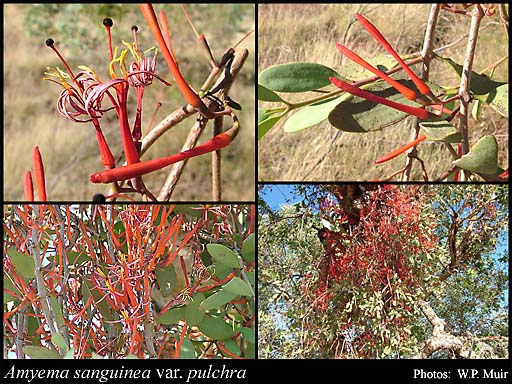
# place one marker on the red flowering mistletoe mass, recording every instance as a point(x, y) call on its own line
point(378, 256)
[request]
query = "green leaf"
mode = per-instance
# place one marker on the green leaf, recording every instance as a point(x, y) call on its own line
point(232, 347)
point(131, 357)
point(220, 271)
point(56, 308)
point(36, 352)
point(296, 77)
point(480, 84)
point(99, 301)
point(166, 278)
point(187, 349)
point(223, 255)
point(76, 258)
point(360, 115)
point(70, 354)
point(249, 248)
point(172, 316)
point(216, 328)
point(498, 100)
point(265, 125)
point(248, 333)
point(238, 286)
point(251, 277)
point(118, 227)
point(8, 285)
point(23, 263)
point(218, 299)
point(194, 312)
point(482, 158)
point(354, 72)
point(265, 94)
point(59, 340)
point(312, 115)
point(442, 131)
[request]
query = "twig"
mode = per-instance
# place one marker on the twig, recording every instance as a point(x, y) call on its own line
point(466, 78)
point(426, 54)
point(220, 91)
point(35, 251)
point(216, 162)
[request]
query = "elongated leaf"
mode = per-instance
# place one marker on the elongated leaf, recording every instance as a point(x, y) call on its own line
point(360, 115)
point(59, 340)
point(480, 84)
point(172, 316)
point(216, 328)
point(23, 263)
point(265, 125)
point(194, 312)
point(223, 255)
point(187, 349)
point(238, 286)
point(498, 99)
point(248, 333)
point(296, 77)
point(166, 278)
point(249, 248)
point(265, 94)
point(441, 131)
point(57, 310)
point(355, 72)
point(312, 115)
point(482, 158)
point(36, 352)
point(218, 299)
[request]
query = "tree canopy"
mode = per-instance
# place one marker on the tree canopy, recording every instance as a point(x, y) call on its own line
point(384, 271)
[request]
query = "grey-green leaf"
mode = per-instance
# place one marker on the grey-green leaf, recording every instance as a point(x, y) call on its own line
point(36, 352)
point(218, 299)
point(265, 94)
point(482, 158)
point(441, 131)
point(23, 263)
point(238, 286)
point(265, 125)
point(296, 77)
point(248, 248)
point(223, 255)
point(312, 115)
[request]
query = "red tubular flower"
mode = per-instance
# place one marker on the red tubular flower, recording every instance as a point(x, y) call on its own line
point(418, 112)
point(191, 97)
point(135, 170)
point(39, 174)
point(420, 84)
point(28, 187)
point(396, 152)
point(410, 94)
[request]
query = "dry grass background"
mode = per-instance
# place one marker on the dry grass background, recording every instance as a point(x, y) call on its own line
point(69, 149)
point(309, 32)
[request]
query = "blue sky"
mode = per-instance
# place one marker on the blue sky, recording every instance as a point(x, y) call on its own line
point(279, 194)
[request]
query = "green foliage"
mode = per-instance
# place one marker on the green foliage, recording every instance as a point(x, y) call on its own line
point(472, 298)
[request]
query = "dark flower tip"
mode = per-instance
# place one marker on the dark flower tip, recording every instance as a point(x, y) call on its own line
point(135, 28)
point(49, 42)
point(107, 22)
point(99, 198)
